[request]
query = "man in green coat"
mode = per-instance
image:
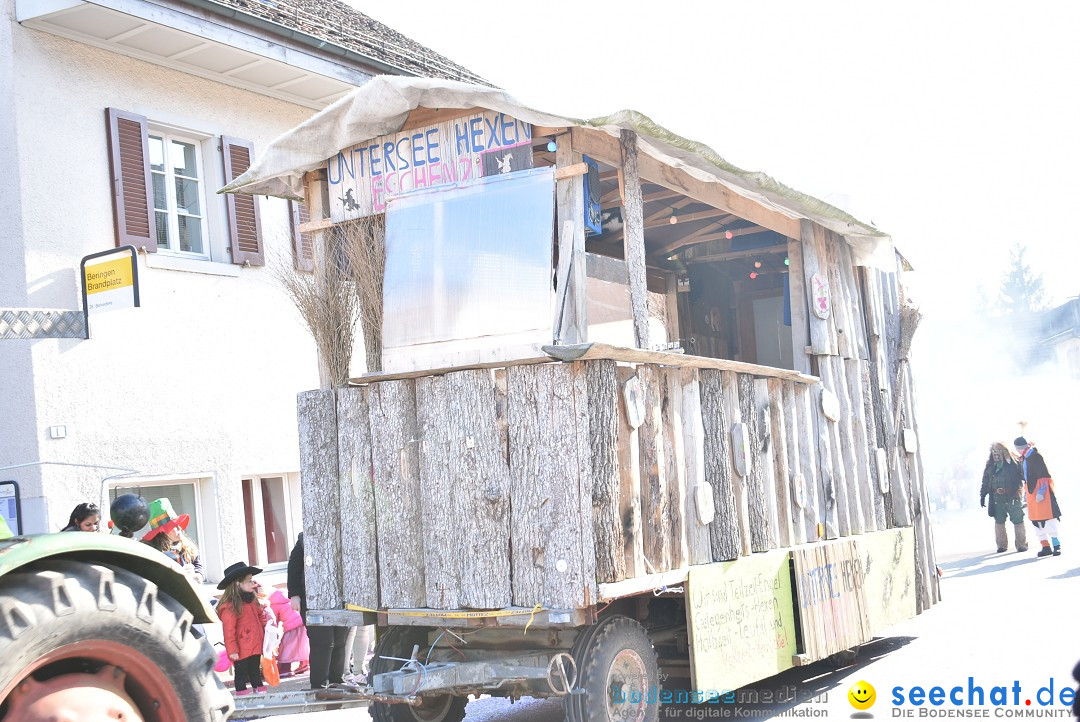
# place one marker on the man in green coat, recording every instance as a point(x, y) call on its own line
point(1003, 482)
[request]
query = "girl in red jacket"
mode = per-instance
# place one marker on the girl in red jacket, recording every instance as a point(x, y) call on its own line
point(244, 618)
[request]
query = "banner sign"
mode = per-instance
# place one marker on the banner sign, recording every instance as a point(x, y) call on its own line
point(473, 146)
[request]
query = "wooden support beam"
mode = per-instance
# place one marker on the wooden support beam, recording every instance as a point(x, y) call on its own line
point(313, 226)
point(696, 236)
point(616, 201)
point(800, 329)
point(421, 117)
point(664, 218)
point(732, 255)
point(600, 145)
point(571, 318)
point(571, 171)
point(634, 235)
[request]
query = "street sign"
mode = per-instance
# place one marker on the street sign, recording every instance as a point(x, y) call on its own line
point(110, 280)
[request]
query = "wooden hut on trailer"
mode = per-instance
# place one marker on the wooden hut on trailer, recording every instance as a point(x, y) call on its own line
point(624, 385)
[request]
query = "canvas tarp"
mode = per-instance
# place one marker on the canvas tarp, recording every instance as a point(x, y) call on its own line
point(380, 107)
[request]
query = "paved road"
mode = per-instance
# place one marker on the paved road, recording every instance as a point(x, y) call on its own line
point(1004, 618)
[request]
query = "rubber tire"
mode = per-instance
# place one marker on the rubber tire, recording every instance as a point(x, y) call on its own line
point(594, 650)
point(66, 602)
point(398, 642)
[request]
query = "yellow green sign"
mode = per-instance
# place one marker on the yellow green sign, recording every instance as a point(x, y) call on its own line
point(742, 623)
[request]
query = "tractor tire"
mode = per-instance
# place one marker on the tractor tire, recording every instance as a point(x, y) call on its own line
point(63, 622)
point(618, 674)
point(398, 642)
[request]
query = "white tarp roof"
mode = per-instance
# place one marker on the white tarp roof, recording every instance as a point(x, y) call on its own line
point(380, 107)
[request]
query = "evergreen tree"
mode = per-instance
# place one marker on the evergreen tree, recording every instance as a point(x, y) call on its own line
point(1022, 289)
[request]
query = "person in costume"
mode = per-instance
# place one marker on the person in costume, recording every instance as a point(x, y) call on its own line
point(167, 535)
point(1043, 509)
point(1003, 485)
point(243, 619)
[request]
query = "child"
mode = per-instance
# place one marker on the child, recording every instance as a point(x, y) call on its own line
point(84, 517)
point(167, 536)
point(243, 618)
point(294, 645)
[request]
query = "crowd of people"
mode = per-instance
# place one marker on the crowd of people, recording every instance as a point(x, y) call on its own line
point(250, 612)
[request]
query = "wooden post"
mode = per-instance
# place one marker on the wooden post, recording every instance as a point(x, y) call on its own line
point(800, 329)
point(724, 533)
point(798, 494)
point(634, 235)
point(317, 200)
point(571, 278)
point(316, 413)
point(399, 504)
point(730, 381)
point(837, 511)
point(785, 533)
point(852, 482)
point(357, 498)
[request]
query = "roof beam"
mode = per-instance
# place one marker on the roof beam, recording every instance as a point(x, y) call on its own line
point(598, 144)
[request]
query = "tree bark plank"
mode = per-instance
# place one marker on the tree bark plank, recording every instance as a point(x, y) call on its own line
point(654, 482)
point(781, 484)
point(822, 332)
point(852, 480)
point(863, 450)
point(760, 538)
point(693, 431)
point(800, 527)
point(740, 483)
point(603, 383)
point(767, 456)
point(808, 459)
point(316, 413)
point(359, 566)
point(724, 531)
point(550, 471)
point(674, 456)
point(837, 510)
point(800, 323)
point(399, 505)
point(629, 453)
point(465, 485)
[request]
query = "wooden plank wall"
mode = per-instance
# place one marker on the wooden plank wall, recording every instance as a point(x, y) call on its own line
point(317, 418)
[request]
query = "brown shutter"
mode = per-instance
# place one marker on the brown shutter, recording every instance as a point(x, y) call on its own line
point(129, 171)
point(245, 231)
point(303, 243)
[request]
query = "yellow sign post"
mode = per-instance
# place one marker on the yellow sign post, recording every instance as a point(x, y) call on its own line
point(110, 281)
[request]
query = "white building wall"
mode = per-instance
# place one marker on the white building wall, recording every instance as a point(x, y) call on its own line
point(198, 383)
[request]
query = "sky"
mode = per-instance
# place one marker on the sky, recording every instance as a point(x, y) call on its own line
point(951, 126)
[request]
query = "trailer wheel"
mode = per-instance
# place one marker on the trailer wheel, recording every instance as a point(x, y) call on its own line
point(75, 632)
point(398, 642)
point(618, 674)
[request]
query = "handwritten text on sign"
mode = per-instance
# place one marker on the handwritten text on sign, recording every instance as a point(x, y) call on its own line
point(742, 624)
point(361, 177)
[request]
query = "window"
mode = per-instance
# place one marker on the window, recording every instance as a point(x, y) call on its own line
point(159, 178)
point(269, 517)
point(183, 496)
point(176, 176)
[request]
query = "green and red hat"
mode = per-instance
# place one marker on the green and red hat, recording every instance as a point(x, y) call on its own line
point(163, 518)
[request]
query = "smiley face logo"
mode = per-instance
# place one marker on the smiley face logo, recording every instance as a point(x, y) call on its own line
point(862, 695)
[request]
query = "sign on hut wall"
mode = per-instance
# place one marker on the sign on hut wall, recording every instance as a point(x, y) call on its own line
point(889, 576)
point(830, 586)
point(483, 144)
point(742, 627)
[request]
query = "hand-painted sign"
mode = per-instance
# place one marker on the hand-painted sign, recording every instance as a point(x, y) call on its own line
point(889, 582)
point(819, 294)
point(742, 622)
point(473, 146)
point(832, 601)
point(110, 281)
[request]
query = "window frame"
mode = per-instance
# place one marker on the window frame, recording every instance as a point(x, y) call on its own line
point(291, 492)
point(168, 135)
